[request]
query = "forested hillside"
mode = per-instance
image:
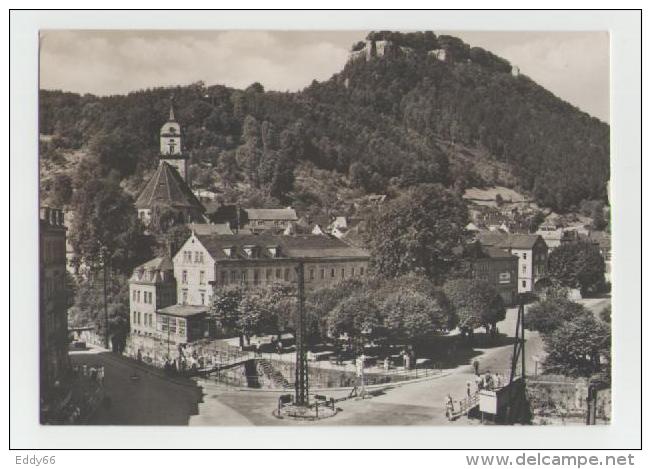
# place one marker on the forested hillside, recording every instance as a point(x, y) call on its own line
point(386, 123)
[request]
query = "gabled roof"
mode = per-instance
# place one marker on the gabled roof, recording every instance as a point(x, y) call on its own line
point(508, 240)
point(298, 246)
point(167, 188)
point(271, 213)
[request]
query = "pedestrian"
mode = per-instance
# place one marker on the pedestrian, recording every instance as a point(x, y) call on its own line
point(468, 392)
point(449, 407)
point(475, 365)
point(386, 364)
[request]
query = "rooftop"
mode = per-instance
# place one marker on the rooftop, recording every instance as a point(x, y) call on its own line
point(271, 213)
point(183, 311)
point(508, 240)
point(167, 187)
point(297, 246)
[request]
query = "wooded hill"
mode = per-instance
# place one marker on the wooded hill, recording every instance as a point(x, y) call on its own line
point(388, 122)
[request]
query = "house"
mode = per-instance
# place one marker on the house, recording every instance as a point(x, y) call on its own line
point(530, 249)
point(262, 219)
point(152, 286)
point(182, 324)
point(496, 266)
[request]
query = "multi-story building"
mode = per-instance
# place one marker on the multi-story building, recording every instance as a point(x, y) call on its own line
point(531, 250)
point(53, 319)
point(497, 267)
point(212, 261)
point(204, 262)
point(151, 287)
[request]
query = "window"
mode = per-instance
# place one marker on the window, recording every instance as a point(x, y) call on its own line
point(361, 271)
point(196, 257)
point(182, 327)
point(203, 298)
point(268, 274)
point(286, 275)
point(224, 277)
point(138, 296)
point(332, 273)
point(322, 274)
point(352, 272)
point(165, 320)
point(279, 274)
point(311, 274)
point(133, 296)
point(256, 277)
point(524, 284)
point(138, 320)
point(343, 273)
point(134, 318)
point(202, 277)
point(524, 255)
point(173, 325)
point(184, 276)
point(524, 269)
point(243, 276)
point(185, 296)
point(233, 276)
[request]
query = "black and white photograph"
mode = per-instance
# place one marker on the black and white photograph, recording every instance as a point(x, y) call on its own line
point(369, 227)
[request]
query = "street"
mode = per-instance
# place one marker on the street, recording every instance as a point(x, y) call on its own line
point(151, 399)
point(156, 399)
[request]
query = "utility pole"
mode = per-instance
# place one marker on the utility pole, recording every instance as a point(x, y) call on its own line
point(301, 383)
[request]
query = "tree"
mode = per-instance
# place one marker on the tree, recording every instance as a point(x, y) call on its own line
point(577, 348)
point(412, 317)
point(61, 194)
point(548, 315)
point(598, 220)
point(358, 317)
point(578, 265)
point(476, 302)
point(225, 308)
point(418, 232)
point(106, 221)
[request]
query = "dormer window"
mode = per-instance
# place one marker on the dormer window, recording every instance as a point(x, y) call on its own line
point(228, 251)
point(273, 251)
point(249, 250)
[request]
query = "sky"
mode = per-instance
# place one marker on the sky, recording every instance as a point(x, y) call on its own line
point(572, 65)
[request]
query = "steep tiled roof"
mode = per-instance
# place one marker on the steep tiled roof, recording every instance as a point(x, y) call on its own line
point(298, 246)
point(157, 263)
point(167, 187)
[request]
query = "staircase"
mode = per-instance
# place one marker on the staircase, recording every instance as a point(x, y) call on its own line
point(275, 376)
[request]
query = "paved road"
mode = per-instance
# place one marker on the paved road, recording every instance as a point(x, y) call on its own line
point(150, 400)
point(420, 403)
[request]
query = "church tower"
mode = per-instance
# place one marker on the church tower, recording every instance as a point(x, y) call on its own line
point(170, 146)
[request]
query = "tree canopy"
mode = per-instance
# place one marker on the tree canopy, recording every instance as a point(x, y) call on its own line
point(418, 233)
point(476, 302)
point(578, 265)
